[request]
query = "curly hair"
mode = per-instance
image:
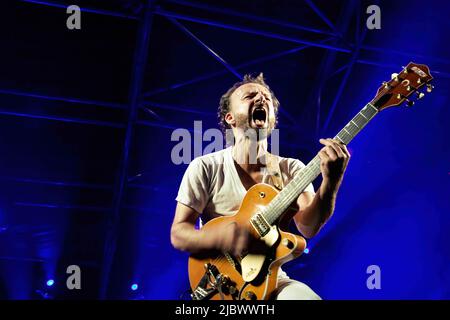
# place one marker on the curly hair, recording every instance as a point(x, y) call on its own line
point(224, 105)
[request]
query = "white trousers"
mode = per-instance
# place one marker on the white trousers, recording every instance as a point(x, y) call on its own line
point(289, 289)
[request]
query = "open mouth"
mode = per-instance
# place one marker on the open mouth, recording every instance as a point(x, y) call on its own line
point(259, 116)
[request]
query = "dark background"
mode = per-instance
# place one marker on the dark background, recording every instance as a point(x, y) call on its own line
point(86, 118)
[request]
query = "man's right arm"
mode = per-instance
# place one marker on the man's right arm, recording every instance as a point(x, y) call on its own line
point(183, 234)
point(185, 237)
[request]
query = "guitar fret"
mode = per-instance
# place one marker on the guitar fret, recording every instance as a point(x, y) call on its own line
point(369, 111)
point(360, 120)
point(344, 136)
point(366, 113)
point(375, 110)
point(353, 130)
point(354, 123)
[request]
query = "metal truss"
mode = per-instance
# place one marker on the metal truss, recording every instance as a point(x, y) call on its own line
point(139, 97)
point(174, 17)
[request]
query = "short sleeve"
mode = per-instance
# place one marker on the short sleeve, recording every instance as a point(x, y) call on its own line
point(193, 191)
point(295, 166)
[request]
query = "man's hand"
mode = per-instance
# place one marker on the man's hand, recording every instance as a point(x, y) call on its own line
point(316, 210)
point(232, 238)
point(334, 159)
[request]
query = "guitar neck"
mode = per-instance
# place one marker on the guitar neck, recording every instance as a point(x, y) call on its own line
point(310, 172)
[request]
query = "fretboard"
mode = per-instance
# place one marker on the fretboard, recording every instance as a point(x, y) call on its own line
point(310, 172)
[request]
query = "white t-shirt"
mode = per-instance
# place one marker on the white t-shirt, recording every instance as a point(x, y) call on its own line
point(211, 184)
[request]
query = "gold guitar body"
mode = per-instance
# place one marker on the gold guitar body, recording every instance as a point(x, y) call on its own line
point(218, 276)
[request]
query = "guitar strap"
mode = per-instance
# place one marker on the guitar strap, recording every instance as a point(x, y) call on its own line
point(274, 172)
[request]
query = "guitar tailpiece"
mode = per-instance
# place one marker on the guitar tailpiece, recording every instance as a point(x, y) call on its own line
point(202, 291)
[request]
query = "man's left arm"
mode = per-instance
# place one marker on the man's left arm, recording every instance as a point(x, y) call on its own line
point(315, 210)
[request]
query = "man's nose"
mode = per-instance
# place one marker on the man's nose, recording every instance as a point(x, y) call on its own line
point(259, 98)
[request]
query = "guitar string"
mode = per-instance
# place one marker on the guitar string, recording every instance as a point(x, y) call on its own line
point(308, 172)
point(311, 169)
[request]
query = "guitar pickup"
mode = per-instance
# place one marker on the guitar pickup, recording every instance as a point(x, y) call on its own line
point(260, 224)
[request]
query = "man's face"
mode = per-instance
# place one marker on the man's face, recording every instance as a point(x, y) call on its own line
point(251, 106)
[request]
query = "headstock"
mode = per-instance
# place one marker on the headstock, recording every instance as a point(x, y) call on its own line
point(403, 87)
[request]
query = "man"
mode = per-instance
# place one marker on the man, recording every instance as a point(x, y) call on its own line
point(215, 184)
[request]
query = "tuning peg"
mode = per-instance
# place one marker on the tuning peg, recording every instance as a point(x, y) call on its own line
point(409, 103)
point(404, 69)
point(420, 95)
point(430, 87)
point(419, 81)
point(385, 84)
point(394, 76)
point(408, 88)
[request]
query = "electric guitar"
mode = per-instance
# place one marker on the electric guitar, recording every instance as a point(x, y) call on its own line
point(265, 212)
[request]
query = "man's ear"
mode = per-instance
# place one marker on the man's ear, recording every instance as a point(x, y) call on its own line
point(229, 118)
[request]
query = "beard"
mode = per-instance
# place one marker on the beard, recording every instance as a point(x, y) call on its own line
point(243, 123)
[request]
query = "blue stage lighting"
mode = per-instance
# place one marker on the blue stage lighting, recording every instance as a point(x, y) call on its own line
point(134, 287)
point(306, 251)
point(50, 282)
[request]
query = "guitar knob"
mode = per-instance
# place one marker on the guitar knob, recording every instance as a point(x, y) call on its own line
point(430, 87)
point(409, 103)
point(420, 95)
point(232, 289)
point(226, 279)
point(249, 295)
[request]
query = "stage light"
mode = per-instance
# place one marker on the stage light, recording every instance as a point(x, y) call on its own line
point(306, 251)
point(134, 287)
point(50, 282)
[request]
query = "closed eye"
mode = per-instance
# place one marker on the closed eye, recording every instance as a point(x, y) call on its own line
point(250, 95)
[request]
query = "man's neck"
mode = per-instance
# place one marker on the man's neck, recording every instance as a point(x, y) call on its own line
point(250, 154)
